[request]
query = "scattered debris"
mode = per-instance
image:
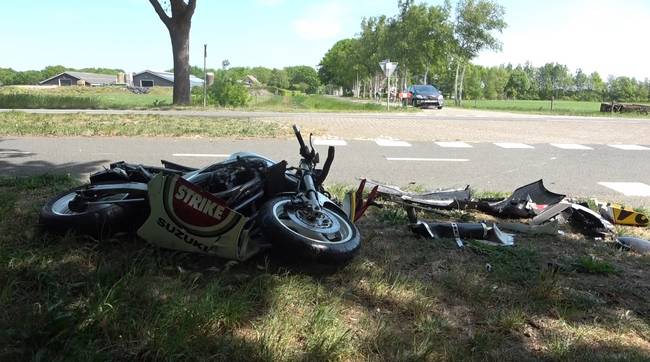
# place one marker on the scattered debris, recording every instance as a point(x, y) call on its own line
point(549, 228)
point(637, 245)
point(621, 215)
point(460, 231)
point(525, 202)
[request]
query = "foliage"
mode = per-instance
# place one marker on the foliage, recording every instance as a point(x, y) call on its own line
point(225, 91)
point(279, 79)
point(303, 78)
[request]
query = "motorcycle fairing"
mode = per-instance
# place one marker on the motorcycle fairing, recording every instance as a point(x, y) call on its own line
point(183, 217)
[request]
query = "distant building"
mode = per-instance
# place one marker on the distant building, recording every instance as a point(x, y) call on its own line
point(251, 81)
point(150, 78)
point(80, 78)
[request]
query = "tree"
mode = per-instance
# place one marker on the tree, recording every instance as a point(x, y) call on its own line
point(518, 83)
point(303, 78)
point(473, 27)
point(279, 79)
point(178, 25)
point(342, 64)
point(581, 80)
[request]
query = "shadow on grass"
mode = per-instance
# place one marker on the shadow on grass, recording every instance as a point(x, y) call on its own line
point(402, 298)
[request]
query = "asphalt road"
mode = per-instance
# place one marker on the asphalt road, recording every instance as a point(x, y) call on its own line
point(586, 169)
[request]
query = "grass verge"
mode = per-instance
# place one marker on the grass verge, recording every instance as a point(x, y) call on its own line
point(320, 103)
point(567, 108)
point(402, 298)
point(27, 124)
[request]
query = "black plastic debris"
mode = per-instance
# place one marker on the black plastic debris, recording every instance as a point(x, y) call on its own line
point(525, 202)
point(637, 245)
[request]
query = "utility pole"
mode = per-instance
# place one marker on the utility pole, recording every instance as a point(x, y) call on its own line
point(205, 75)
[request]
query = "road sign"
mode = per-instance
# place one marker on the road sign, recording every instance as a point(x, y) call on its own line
point(388, 67)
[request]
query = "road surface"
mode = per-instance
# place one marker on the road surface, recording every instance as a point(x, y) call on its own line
point(610, 172)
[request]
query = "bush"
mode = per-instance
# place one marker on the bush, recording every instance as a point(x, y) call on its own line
point(225, 92)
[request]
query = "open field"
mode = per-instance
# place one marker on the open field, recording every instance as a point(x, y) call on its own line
point(319, 103)
point(161, 97)
point(92, 97)
point(560, 107)
point(402, 298)
point(26, 124)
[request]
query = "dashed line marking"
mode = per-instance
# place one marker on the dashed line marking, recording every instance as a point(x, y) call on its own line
point(211, 155)
point(628, 188)
point(329, 142)
point(454, 144)
point(571, 146)
point(391, 143)
point(513, 145)
point(630, 147)
point(419, 159)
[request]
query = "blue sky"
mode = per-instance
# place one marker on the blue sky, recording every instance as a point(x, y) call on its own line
point(127, 33)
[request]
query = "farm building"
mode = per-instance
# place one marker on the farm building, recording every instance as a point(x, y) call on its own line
point(80, 78)
point(150, 78)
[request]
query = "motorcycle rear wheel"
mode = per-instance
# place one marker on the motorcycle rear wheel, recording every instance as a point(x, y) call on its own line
point(333, 238)
point(99, 220)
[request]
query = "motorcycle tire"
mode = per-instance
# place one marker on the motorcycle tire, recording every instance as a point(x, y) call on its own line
point(99, 221)
point(297, 240)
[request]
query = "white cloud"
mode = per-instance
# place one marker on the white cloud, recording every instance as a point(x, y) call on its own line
point(320, 21)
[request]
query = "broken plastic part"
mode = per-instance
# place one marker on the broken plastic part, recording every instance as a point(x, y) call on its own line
point(460, 231)
point(640, 246)
point(548, 228)
point(526, 201)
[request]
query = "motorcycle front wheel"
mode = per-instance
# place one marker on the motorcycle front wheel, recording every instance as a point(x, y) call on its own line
point(97, 220)
point(327, 236)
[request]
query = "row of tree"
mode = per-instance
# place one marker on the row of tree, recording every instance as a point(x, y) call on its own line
point(9, 76)
point(434, 44)
point(551, 80)
point(301, 78)
point(426, 40)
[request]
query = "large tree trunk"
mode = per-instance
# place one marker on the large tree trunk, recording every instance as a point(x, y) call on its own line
point(179, 24)
point(180, 37)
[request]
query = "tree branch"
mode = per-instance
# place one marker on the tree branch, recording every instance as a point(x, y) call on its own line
point(191, 5)
point(161, 13)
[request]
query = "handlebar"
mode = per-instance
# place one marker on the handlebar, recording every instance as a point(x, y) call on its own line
point(304, 150)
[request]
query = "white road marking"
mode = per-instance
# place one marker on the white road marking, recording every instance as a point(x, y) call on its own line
point(628, 188)
point(391, 143)
point(512, 145)
point(329, 142)
point(630, 147)
point(427, 159)
point(215, 155)
point(454, 144)
point(14, 153)
point(571, 146)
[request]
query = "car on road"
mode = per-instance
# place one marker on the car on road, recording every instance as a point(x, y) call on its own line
point(423, 95)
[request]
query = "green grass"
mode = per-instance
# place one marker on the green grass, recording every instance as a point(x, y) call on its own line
point(560, 107)
point(26, 124)
point(402, 298)
point(83, 98)
point(161, 97)
point(319, 103)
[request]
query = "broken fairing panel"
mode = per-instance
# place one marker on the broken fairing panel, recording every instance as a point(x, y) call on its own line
point(525, 202)
point(589, 222)
point(440, 199)
point(460, 231)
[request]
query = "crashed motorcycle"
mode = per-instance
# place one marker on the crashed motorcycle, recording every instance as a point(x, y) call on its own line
point(232, 209)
